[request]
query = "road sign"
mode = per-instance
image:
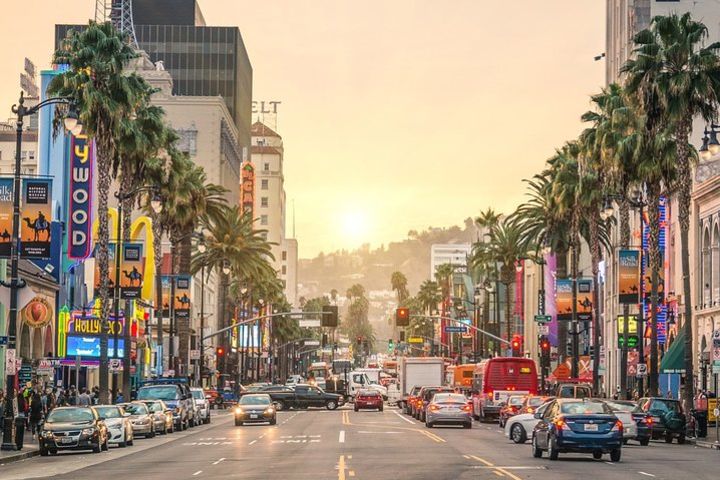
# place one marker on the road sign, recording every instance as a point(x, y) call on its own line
point(3, 340)
point(309, 323)
point(194, 354)
point(114, 364)
point(716, 368)
point(642, 370)
point(633, 341)
point(10, 361)
point(543, 319)
point(415, 340)
point(543, 329)
point(311, 343)
point(455, 329)
point(296, 314)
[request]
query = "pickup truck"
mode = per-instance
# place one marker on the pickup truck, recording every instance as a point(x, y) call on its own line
point(304, 396)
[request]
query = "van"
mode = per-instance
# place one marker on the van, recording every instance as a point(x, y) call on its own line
point(573, 390)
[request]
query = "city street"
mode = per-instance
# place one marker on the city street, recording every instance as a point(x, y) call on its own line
point(344, 444)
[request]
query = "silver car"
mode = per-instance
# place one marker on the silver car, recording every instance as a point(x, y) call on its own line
point(162, 416)
point(117, 421)
point(140, 418)
point(202, 403)
point(623, 411)
point(448, 409)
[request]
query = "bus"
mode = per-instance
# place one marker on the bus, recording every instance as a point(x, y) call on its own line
point(495, 379)
point(463, 376)
point(318, 373)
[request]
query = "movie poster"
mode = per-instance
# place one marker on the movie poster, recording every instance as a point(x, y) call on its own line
point(35, 218)
point(6, 212)
point(629, 277)
point(132, 271)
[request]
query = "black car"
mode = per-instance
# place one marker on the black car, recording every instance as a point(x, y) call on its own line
point(664, 417)
point(304, 396)
point(73, 428)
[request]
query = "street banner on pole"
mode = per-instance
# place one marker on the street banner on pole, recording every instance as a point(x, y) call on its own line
point(584, 299)
point(6, 211)
point(132, 270)
point(182, 296)
point(36, 216)
point(563, 299)
point(80, 201)
point(165, 296)
point(629, 277)
point(111, 269)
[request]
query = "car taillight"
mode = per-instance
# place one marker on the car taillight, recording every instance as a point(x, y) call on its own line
point(618, 427)
point(561, 425)
point(490, 395)
point(466, 408)
point(530, 410)
point(649, 420)
point(434, 408)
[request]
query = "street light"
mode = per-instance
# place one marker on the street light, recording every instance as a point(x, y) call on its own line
point(226, 267)
point(15, 282)
point(710, 146)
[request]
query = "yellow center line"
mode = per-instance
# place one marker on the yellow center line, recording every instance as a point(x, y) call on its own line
point(497, 473)
point(341, 468)
point(498, 470)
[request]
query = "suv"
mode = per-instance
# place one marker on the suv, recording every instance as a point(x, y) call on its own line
point(668, 420)
point(202, 404)
point(176, 395)
point(573, 390)
point(425, 396)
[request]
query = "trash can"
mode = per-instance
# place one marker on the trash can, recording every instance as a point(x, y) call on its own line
point(19, 431)
point(701, 420)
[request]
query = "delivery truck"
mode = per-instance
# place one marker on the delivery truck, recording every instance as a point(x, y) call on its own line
point(420, 372)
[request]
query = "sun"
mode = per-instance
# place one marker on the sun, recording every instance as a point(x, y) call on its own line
point(354, 225)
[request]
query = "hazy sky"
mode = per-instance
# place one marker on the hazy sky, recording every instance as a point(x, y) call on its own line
point(395, 115)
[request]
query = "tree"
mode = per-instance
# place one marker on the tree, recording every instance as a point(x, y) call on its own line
point(398, 283)
point(677, 78)
point(103, 95)
point(355, 322)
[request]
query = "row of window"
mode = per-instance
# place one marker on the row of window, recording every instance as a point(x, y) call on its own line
point(24, 155)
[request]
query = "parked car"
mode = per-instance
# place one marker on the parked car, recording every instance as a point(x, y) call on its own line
point(511, 408)
point(304, 396)
point(294, 380)
point(176, 395)
point(368, 399)
point(411, 399)
point(73, 428)
point(623, 411)
point(668, 420)
point(577, 426)
point(424, 398)
point(162, 416)
point(255, 408)
point(202, 404)
point(519, 427)
point(117, 421)
point(448, 409)
point(140, 418)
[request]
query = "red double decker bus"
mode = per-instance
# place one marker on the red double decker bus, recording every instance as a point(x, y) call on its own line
point(495, 379)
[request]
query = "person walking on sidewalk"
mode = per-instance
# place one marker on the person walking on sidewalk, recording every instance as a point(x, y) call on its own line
point(36, 414)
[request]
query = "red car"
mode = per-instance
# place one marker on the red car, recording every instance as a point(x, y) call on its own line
point(368, 399)
point(214, 398)
point(511, 408)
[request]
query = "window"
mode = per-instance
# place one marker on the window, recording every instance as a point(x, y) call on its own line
point(263, 201)
point(266, 167)
point(31, 154)
point(264, 235)
point(264, 184)
point(284, 255)
point(284, 270)
point(263, 219)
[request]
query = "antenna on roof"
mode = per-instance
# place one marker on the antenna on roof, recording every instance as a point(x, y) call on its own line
point(119, 13)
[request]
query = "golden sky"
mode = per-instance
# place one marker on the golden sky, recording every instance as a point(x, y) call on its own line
point(395, 115)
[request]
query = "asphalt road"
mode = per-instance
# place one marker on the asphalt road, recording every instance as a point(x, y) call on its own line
point(344, 445)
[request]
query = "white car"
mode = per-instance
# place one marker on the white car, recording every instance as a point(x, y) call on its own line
point(518, 427)
point(294, 380)
point(120, 430)
point(623, 411)
point(202, 403)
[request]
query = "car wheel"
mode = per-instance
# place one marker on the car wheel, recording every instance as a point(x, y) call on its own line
point(356, 409)
point(467, 425)
point(517, 433)
point(97, 448)
point(615, 455)
point(238, 423)
point(123, 443)
point(331, 405)
point(428, 424)
point(644, 441)
point(43, 451)
point(668, 438)
point(53, 452)
point(625, 441)
point(381, 408)
point(537, 453)
point(597, 454)
point(273, 421)
point(279, 406)
point(552, 449)
point(152, 433)
point(681, 439)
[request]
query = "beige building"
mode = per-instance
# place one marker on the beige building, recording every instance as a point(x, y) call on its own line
point(267, 155)
point(28, 155)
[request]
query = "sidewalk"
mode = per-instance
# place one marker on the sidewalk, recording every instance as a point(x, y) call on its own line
point(30, 449)
point(704, 442)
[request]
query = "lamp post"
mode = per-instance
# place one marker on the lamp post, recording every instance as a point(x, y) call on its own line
point(710, 146)
point(202, 248)
point(73, 126)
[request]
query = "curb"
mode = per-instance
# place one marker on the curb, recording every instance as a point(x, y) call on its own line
point(703, 444)
point(19, 456)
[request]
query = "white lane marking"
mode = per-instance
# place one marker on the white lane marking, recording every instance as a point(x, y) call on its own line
point(646, 474)
point(409, 421)
point(197, 473)
point(610, 463)
point(364, 431)
point(215, 463)
point(341, 437)
point(252, 442)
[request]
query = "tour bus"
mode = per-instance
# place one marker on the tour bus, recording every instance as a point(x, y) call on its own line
point(495, 379)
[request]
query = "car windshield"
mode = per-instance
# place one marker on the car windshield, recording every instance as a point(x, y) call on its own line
point(415, 390)
point(155, 407)
point(108, 412)
point(617, 406)
point(198, 395)
point(583, 408)
point(535, 401)
point(449, 398)
point(70, 415)
point(158, 393)
point(255, 400)
point(665, 406)
point(515, 401)
point(136, 408)
point(368, 393)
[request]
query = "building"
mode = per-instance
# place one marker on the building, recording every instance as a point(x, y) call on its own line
point(267, 155)
point(452, 253)
point(28, 156)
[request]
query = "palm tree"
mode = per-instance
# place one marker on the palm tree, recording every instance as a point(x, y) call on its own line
point(677, 78)
point(398, 282)
point(429, 296)
point(103, 95)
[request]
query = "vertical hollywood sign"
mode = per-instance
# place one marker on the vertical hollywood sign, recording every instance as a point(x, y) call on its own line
point(247, 188)
point(80, 224)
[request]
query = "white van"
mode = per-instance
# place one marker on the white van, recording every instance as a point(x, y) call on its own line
point(359, 380)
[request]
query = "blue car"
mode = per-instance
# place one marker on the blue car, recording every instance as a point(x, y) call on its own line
point(571, 425)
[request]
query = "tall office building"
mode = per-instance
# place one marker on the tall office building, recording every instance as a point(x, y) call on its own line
point(453, 253)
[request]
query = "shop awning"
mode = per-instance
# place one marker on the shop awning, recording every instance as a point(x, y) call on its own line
point(674, 359)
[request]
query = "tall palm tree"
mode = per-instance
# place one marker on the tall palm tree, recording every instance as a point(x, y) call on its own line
point(398, 283)
point(676, 79)
point(104, 95)
point(429, 296)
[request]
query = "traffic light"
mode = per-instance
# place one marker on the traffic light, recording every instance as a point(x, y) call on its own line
point(544, 351)
point(219, 352)
point(329, 318)
point(402, 317)
point(516, 345)
point(359, 341)
point(391, 345)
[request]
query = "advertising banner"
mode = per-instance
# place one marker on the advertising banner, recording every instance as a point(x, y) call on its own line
point(6, 211)
point(563, 299)
point(247, 188)
point(182, 296)
point(584, 299)
point(662, 310)
point(165, 296)
point(632, 324)
point(132, 270)
point(36, 216)
point(111, 269)
point(79, 224)
point(629, 277)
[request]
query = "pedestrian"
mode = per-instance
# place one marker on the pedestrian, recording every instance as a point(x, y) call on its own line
point(96, 395)
point(61, 400)
point(72, 396)
point(22, 408)
point(84, 399)
point(36, 414)
point(119, 398)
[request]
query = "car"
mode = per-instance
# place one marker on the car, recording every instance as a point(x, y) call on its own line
point(256, 387)
point(140, 418)
point(117, 421)
point(577, 426)
point(448, 409)
point(512, 407)
point(623, 410)
point(573, 390)
point(255, 408)
point(176, 395)
point(517, 427)
point(202, 403)
point(305, 396)
point(73, 428)
point(424, 397)
point(411, 399)
point(195, 415)
point(162, 416)
point(294, 380)
point(532, 402)
point(214, 398)
point(368, 399)
point(666, 418)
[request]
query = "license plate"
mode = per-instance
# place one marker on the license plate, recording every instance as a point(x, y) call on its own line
point(253, 416)
point(66, 440)
point(591, 427)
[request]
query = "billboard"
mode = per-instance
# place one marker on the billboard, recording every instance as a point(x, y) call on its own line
point(629, 277)
point(6, 212)
point(132, 270)
point(80, 197)
point(182, 296)
point(35, 216)
point(111, 269)
point(584, 299)
point(90, 346)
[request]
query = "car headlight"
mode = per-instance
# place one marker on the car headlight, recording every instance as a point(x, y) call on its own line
point(270, 410)
point(238, 410)
point(88, 431)
point(47, 433)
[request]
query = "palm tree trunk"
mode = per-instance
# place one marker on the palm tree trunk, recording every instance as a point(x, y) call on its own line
point(685, 185)
point(157, 253)
point(127, 208)
point(625, 242)
point(508, 312)
point(595, 253)
point(655, 260)
point(105, 154)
